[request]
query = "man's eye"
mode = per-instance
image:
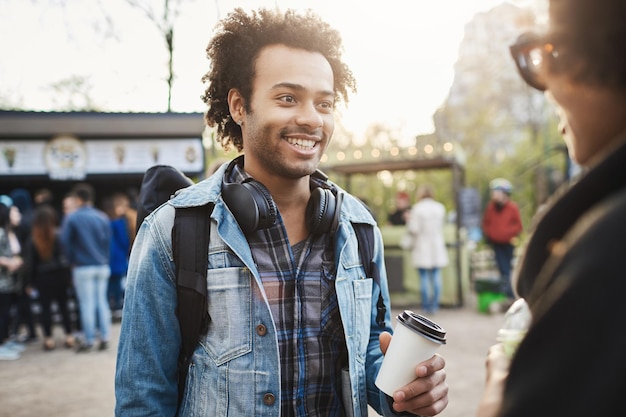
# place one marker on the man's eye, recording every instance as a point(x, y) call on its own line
point(288, 99)
point(327, 105)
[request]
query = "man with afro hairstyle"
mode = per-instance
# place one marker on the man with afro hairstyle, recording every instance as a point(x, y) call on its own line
point(293, 329)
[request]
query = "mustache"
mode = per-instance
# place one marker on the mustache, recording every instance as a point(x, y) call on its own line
point(317, 132)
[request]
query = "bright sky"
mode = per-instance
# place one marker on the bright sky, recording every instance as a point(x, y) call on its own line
point(402, 53)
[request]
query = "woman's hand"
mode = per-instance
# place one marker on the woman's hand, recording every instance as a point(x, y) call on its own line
point(497, 365)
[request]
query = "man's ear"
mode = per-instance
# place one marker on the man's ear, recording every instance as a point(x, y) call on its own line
point(236, 105)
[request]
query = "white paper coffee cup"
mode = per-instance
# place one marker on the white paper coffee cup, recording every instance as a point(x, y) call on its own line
point(415, 339)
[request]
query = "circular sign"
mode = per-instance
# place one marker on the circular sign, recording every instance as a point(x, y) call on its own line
point(65, 158)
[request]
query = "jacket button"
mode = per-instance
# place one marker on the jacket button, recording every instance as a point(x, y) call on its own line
point(269, 399)
point(261, 330)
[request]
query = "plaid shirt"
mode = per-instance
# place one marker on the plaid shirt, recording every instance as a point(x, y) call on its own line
point(299, 282)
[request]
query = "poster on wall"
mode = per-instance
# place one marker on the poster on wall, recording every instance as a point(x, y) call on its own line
point(67, 157)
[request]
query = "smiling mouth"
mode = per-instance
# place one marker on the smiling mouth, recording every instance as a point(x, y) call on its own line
point(304, 144)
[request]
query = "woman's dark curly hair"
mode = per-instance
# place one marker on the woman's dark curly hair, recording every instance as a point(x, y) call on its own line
point(235, 47)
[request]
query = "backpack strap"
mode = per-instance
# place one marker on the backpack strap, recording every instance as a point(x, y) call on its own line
point(365, 239)
point(190, 242)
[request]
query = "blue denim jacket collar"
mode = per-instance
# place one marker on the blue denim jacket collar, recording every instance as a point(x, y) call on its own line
point(147, 370)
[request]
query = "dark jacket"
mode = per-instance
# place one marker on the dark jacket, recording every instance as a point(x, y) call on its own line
point(120, 247)
point(573, 361)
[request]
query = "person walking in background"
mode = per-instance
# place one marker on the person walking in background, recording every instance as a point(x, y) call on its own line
point(571, 273)
point(401, 213)
point(502, 224)
point(48, 273)
point(427, 245)
point(10, 263)
point(122, 234)
point(86, 239)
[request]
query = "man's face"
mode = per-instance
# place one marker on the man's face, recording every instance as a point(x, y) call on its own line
point(291, 119)
point(498, 195)
point(70, 204)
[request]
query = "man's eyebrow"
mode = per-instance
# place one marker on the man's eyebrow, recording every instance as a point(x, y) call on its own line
point(298, 87)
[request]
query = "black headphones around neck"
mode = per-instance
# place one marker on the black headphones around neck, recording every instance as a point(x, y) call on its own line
point(254, 209)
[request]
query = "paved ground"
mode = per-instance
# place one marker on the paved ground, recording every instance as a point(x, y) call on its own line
point(62, 383)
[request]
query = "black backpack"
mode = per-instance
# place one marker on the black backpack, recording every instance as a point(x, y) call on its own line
point(192, 226)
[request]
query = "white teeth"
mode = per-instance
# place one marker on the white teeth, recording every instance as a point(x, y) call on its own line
point(302, 143)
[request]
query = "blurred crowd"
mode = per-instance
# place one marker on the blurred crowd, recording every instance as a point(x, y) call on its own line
point(63, 262)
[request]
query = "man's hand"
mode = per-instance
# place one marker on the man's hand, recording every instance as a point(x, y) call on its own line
point(427, 395)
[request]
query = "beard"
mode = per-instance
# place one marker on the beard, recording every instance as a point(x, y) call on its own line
point(267, 145)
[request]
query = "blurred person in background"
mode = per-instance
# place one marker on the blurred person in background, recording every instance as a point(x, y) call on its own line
point(43, 196)
point(10, 264)
point(502, 225)
point(401, 213)
point(123, 221)
point(86, 239)
point(23, 202)
point(48, 273)
point(571, 361)
point(21, 218)
point(427, 245)
point(69, 204)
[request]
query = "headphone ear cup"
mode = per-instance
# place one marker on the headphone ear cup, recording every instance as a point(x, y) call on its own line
point(265, 206)
point(322, 212)
point(251, 204)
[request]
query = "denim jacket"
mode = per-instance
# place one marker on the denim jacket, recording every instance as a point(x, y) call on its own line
point(235, 370)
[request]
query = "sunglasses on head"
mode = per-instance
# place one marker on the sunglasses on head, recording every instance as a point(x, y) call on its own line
point(530, 52)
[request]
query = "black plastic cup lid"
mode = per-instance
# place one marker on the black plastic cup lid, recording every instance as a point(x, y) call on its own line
point(421, 324)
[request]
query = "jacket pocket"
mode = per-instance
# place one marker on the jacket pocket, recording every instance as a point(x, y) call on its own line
point(229, 300)
point(346, 392)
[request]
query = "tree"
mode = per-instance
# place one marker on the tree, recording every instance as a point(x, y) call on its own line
point(75, 91)
point(504, 126)
point(381, 143)
point(164, 20)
